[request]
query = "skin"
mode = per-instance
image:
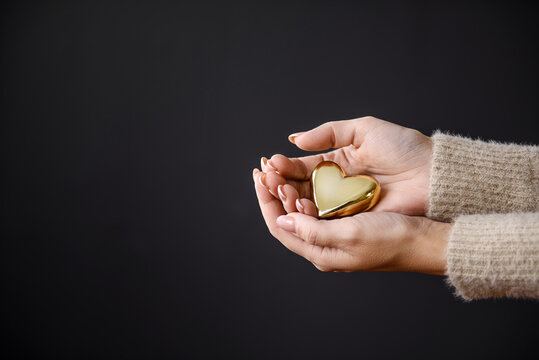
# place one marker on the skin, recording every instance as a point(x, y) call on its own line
point(393, 236)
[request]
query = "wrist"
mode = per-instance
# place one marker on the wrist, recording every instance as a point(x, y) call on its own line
point(426, 172)
point(433, 243)
point(427, 251)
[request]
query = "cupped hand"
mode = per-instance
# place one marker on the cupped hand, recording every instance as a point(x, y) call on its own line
point(371, 241)
point(398, 157)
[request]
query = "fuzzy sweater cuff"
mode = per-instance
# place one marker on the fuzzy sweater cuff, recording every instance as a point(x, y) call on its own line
point(477, 177)
point(495, 255)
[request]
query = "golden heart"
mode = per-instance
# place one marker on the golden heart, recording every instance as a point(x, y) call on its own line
point(336, 194)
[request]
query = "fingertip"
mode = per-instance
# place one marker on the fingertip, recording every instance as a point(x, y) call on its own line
point(270, 164)
point(255, 172)
point(292, 137)
point(288, 195)
point(312, 141)
point(273, 179)
point(288, 167)
point(308, 207)
point(333, 134)
point(276, 161)
point(299, 206)
point(262, 180)
point(264, 163)
point(281, 193)
point(264, 196)
point(286, 222)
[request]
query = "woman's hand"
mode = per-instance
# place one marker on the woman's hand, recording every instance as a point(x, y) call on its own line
point(364, 242)
point(398, 157)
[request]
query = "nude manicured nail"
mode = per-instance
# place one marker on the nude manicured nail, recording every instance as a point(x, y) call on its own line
point(299, 206)
point(270, 165)
point(282, 196)
point(292, 137)
point(286, 223)
point(263, 162)
point(262, 180)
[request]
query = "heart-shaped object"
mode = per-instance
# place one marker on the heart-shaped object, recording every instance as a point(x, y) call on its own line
point(336, 194)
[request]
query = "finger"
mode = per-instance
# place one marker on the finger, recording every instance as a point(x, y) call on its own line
point(288, 195)
point(266, 166)
point(322, 233)
point(292, 137)
point(271, 209)
point(298, 168)
point(334, 134)
point(263, 164)
point(259, 178)
point(307, 207)
point(262, 180)
point(301, 168)
point(273, 179)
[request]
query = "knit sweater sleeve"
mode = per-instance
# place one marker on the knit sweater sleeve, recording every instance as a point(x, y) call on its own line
point(494, 255)
point(477, 177)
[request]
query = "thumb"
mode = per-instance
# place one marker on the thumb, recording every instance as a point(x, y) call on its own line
point(334, 134)
point(312, 230)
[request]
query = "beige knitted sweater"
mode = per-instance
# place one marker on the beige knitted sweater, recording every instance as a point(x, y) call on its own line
point(490, 191)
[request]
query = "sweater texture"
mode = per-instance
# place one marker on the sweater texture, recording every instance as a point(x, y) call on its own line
point(494, 255)
point(490, 191)
point(478, 177)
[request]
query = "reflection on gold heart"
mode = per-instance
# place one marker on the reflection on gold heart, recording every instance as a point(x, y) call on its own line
point(336, 194)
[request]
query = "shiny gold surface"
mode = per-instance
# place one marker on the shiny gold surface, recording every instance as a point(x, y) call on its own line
point(336, 194)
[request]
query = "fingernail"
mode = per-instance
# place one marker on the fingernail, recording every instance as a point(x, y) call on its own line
point(286, 223)
point(292, 137)
point(255, 171)
point(263, 162)
point(262, 180)
point(282, 196)
point(299, 206)
point(270, 164)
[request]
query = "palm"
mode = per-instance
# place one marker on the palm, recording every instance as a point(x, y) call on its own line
point(399, 159)
point(396, 156)
point(356, 253)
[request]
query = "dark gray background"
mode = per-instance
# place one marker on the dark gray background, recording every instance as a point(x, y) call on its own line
point(129, 132)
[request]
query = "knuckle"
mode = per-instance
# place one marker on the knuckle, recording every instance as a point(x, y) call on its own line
point(355, 235)
point(355, 232)
point(332, 123)
point(310, 235)
point(346, 233)
point(367, 119)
